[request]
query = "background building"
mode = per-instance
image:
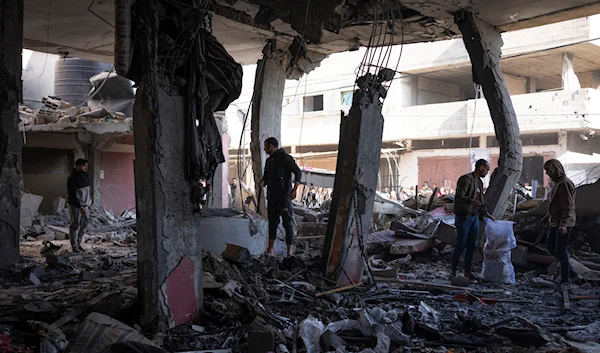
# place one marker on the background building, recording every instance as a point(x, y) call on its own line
point(434, 126)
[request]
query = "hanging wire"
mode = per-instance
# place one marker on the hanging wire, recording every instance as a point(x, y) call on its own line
point(477, 96)
point(377, 58)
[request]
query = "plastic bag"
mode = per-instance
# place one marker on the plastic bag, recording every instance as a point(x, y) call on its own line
point(500, 240)
point(429, 315)
point(500, 237)
point(311, 330)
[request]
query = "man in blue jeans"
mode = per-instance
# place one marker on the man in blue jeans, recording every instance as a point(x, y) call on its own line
point(468, 210)
point(561, 217)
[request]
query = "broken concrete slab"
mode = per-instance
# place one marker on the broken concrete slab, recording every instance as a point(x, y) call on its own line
point(236, 253)
point(410, 246)
point(59, 204)
point(520, 256)
point(445, 233)
point(311, 229)
point(30, 204)
point(241, 231)
point(105, 331)
point(583, 271)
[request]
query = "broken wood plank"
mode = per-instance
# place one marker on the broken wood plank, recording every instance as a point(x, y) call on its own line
point(293, 289)
point(566, 301)
point(341, 289)
point(435, 285)
point(74, 313)
point(296, 275)
point(312, 237)
point(431, 200)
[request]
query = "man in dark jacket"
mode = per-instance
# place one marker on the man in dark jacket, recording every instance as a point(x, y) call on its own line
point(78, 187)
point(277, 177)
point(468, 210)
point(561, 215)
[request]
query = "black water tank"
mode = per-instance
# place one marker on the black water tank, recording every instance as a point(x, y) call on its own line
point(72, 78)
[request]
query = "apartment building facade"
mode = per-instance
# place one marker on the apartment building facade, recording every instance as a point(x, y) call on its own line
point(435, 121)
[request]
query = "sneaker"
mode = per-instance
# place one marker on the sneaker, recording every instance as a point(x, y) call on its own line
point(471, 276)
point(452, 274)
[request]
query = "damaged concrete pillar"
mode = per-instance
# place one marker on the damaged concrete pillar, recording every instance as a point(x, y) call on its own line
point(484, 43)
point(169, 253)
point(269, 85)
point(11, 45)
point(354, 188)
point(569, 77)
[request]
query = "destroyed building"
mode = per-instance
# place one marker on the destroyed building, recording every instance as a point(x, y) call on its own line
point(184, 58)
point(433, 121)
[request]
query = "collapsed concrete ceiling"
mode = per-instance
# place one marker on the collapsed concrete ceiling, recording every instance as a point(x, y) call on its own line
point(70, 28)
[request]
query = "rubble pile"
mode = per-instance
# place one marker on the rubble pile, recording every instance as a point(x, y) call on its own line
point(57, 111)
point(43, 297)
point(531, 233)
point(284, 304)
point(103, 227)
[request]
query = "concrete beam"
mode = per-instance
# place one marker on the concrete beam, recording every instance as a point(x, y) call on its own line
point(354, 189)
point(11, 44)
point(484, 43)
point(169, 252)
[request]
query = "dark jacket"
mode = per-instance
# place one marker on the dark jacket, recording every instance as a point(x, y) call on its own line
point(466, 190)
point(561, 208)
point(278, 175)
point(78, 187)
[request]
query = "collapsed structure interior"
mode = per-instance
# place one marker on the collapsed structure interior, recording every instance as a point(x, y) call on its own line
point(183, 60)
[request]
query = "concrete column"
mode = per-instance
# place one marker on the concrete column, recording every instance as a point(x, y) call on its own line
point(414, 91)
point(11, 44)
point(482, 141)
point(531, 85)
point(596, 80)
point(94, 170)
point(269, 84)
point(569, 77)
point(357, 169)
point(169, 254)
point(484, 43)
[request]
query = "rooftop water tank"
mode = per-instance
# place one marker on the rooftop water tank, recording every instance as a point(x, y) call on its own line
point(72, 78)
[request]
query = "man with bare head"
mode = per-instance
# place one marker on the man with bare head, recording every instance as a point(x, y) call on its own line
point(277, 177)
point(80, 198)
point(469, 209)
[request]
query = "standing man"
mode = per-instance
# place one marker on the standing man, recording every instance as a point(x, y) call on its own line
point(561, 214)
point(468, 209)
point(277, 177)
point(80, 198)
point(233, 186)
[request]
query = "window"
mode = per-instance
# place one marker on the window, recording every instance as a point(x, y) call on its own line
point(347, 98)
point(313, 103)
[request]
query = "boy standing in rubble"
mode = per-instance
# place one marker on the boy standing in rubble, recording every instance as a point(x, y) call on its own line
point(277, 177)
point(469, 210)
point(80, 198)
point(561, 217)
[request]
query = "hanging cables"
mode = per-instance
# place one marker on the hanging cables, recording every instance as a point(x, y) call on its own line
point(477, 96)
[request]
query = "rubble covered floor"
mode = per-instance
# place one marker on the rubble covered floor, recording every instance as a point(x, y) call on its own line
point(418, 310)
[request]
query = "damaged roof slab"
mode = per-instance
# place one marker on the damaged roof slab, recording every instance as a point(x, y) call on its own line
point(94, 128)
